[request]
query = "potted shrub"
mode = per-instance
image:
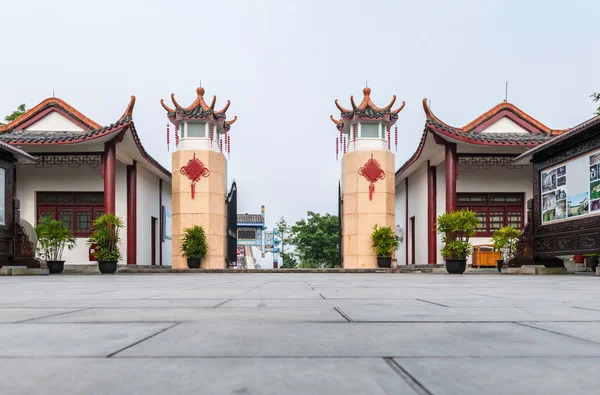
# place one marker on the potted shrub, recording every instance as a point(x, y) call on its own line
point(384, 244)
point(105, 237)
point(194, 246)
point(457, 228)
point(505, 240)
point(591, 261)
point(53, 238)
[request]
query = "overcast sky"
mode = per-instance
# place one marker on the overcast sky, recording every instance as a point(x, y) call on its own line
point(283, 63)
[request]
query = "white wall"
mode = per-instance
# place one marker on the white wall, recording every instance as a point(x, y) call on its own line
point(505, 125)
point(167, 202)
point(401, 220)
point(147, 207)
point(417, 207)
point(56, 179)
point(55, 121)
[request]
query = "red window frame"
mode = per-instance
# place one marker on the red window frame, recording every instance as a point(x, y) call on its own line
point(489, 207)
point(69, 203)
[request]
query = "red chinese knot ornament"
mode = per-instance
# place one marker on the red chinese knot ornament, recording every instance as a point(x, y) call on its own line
point(372, 171)
point(194, 170)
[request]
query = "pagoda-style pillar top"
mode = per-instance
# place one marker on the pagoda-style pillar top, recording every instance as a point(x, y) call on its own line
point(199, 111)
point(366, 125)
point(367, 111)
point(199, 126)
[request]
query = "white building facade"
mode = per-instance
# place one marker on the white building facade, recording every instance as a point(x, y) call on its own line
point(85, 170)
point(469, 167)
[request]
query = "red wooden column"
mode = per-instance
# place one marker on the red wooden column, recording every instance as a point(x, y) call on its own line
point(451, 175)
point(406, 219)
point(110, 175)
point(431, 214)
point(132, 214)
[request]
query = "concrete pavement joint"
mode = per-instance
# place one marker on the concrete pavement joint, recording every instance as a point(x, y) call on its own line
point(343, 314)
point(555, 332)
point(142, 340)
point(407, 377)
point(221, 304)
point(437, 304)
point(51, 315)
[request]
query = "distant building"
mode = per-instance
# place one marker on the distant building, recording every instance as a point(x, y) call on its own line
point(469, 167)
point(84, 170)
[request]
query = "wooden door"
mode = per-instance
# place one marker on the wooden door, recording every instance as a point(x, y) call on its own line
point(153, 237)
point(412, 241)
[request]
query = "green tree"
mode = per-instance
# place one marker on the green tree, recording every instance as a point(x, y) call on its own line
point(16, 114)
point(596, 98)
point(316, 240)
point(285, 230)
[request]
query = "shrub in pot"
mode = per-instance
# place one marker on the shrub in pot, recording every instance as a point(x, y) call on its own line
point(53, 238)
point(457, 228)
point(105, 237)
point(194, 246)
point(384, 244)
point(591, 261)
point(505, 240)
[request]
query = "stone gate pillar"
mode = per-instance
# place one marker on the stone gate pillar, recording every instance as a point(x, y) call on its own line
point(368, 176)
point(199, 176)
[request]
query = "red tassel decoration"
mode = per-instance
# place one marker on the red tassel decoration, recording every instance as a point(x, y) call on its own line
point(228, 146)
point(354, 132)
point(210, 129)
point(337, 147)
point(344, 143)
point(221, 144)
point(396, 138)
point(389, 130)
point(168, 137)
point(176, 135)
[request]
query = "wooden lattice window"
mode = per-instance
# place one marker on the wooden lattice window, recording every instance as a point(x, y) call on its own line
point(494, 210)
point(76, 210)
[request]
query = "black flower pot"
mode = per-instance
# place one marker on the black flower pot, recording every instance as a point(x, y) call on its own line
point(499, 264)
point(456, 266)
point(384, 262)
point(55, 267)
point(592, 262)
point(107, 267)
point(193, 263)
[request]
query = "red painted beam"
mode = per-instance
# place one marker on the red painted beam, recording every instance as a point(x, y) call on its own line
point(431, 214)
point(406, 218)
point(132, 214)
point(160, 222)
point(451, 175)
point(110, 175)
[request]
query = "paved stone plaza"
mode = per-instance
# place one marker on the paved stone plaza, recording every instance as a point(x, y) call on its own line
point(299, 334)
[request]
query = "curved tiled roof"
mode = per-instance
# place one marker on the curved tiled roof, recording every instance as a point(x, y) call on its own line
point(367, 109)
point(11, 133)
point(54, 102)
point(558, 139)
point(537, 134)
point(199, 109)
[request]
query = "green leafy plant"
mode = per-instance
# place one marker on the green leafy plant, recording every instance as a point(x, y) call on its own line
point(596, 97)
point(505, 241)
point(193, 243)
point(457, 228)
point(105, 236)
point(316, 241)
point(53, 238)
point(384, 241)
